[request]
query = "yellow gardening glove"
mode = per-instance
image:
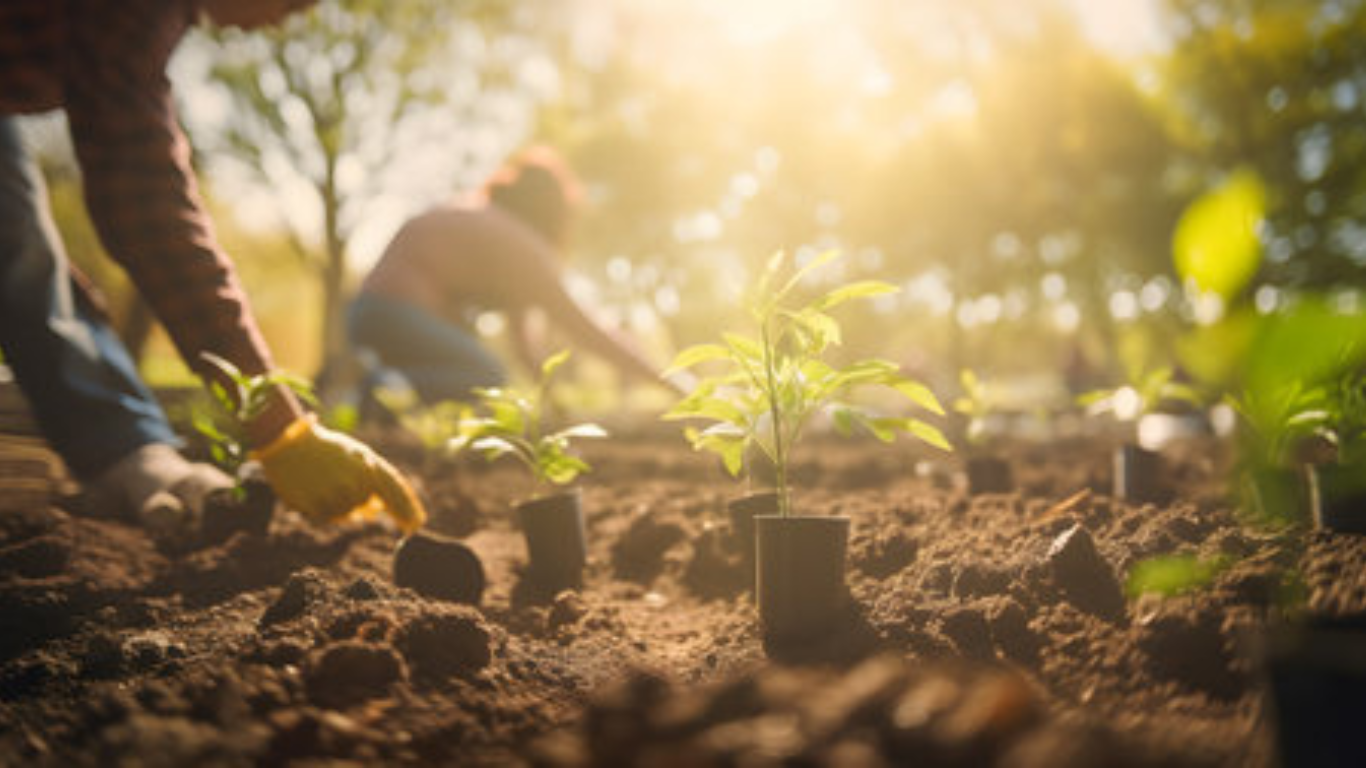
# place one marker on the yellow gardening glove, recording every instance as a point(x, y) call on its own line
point(331, 478)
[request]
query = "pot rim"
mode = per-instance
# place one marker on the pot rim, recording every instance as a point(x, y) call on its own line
point(804, 518)
point(566, 493)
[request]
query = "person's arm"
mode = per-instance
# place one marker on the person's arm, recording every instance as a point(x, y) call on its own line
point(142, 198)
point(533, 279)
point(519, 337)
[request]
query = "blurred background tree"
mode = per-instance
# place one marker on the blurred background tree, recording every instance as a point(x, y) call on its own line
point(324, 108)
point(1280, 87)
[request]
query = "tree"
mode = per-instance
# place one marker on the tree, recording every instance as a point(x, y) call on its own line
point(1277, 86)
point(325, 105)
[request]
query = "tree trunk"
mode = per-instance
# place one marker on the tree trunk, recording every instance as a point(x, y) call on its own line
point(334, 371)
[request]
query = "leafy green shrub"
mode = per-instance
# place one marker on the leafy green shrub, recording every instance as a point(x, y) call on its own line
point(772, 385)
point(513, 425)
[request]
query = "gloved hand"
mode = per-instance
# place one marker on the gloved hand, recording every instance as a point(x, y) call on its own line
point(159, 489)
point(330, 477)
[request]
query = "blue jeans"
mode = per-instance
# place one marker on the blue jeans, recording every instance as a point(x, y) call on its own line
point(78, 377)
point(441, 360)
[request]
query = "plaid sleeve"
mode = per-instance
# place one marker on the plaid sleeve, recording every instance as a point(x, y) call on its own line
point(139, 187)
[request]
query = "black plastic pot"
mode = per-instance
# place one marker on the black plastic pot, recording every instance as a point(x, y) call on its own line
point(1337, 497)
point(556, 544)
point(742, 512)
point(247, 507)
point(1275, 494)
point(440, 567)
point(989, 474)
point(1137, 474)
point(1316, 671)
point(800, 574)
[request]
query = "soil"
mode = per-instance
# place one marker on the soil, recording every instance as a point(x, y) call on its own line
point(984, 629)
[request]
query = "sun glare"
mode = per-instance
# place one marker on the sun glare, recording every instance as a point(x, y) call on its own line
point(758, 21)
point(1120, 27)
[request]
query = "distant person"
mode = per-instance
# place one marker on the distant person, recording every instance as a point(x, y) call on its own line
point(502, 249)
point(104, 63)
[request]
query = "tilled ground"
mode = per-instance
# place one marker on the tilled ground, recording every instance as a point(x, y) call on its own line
point(986, 629)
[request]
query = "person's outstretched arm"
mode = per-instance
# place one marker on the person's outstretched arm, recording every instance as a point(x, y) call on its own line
point(145, 205)
point(532, 277)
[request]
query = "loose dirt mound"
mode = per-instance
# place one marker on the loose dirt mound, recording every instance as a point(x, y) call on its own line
point(986, 629)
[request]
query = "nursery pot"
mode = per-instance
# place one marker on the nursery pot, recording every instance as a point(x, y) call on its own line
point(800, 574)
point(1138, 473)
point(1275, 493)
point(1337, 497)
point(1316, 670)
point(989, 474)
point(742, 512)
point(556, 545)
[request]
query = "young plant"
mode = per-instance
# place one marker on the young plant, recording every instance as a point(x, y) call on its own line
point(1143, 393)
point(976, 405)
point(514, 426)
point(772, 385)
point(241, 397)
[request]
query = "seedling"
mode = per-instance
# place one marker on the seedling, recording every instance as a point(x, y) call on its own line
point(976, 404)
point(771, 386)
point(514, 426)
point(242, 397)
point(1143, 393)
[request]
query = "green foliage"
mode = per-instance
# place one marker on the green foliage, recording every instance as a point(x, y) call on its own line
point(977, 402)
point(1216, 246)
point(512, 425)
point(1301, 377)
point(1174, 574)
point(241, 398)
point(771, 386)
point(1144, 393)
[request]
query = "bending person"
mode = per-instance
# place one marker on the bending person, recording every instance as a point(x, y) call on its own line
point(104, 63)
point(500, 250)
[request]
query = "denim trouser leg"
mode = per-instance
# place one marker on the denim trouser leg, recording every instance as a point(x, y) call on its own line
point(79, 378)
point(440, 359)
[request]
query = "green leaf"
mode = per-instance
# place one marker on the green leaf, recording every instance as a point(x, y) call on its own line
point(1173, 574)
point(920, 395)
point(1216, 245)
point(818, 330)
point(493, 446)
point(708, 408)
point(698, 353)
point(561, 468)
point(743, 348)
point(884, 428)
point(580, 430)
point(858, 290)
point(821, 259)
point(727, 442)
point(928, 433)
point(553, 364)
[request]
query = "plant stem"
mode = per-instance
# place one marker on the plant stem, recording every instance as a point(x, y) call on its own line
point(775, 414)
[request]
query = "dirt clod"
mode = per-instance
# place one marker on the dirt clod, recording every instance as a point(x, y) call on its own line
point(302, 590)
point(453, 641)
point(346, 672)
point(1084, 576)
